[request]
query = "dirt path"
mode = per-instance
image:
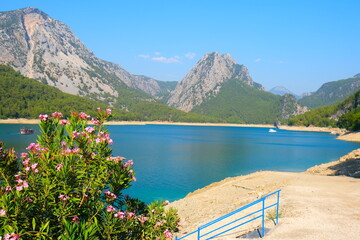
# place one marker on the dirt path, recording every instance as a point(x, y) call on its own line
point(312, 206)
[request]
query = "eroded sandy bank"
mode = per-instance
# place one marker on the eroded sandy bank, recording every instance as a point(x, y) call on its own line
point(314, 205)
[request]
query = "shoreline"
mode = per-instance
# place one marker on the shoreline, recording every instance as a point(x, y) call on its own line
point(343, 135)
point(333, 209)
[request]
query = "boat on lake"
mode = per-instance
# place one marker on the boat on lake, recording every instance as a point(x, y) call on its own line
point(26, 131)
point(272, 130)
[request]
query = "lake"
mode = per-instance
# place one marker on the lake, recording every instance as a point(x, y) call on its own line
point(171, 161)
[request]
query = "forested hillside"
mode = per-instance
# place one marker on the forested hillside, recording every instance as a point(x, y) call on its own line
point(345, 115)
point(22, 97)
point(238, 102)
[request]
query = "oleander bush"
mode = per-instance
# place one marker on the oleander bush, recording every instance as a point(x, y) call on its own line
point(69, 186)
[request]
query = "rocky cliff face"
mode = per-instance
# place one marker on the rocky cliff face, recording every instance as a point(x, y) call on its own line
point(47, 50)
point(205, 80)
point(289, 107)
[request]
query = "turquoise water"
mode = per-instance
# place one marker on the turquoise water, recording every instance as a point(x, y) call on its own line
point(171, 161)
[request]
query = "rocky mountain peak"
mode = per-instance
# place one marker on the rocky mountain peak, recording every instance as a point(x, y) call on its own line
point(205, 79)
point(47, 50)
point(33, 10)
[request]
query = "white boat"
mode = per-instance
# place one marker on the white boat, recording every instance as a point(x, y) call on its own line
point(272, 130)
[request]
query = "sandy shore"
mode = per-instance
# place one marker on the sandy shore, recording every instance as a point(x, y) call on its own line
point(343, 134)
point(314, 204)
point(19, 121)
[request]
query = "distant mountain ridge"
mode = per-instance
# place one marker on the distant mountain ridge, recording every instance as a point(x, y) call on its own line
point(279, 90)
point(47, 50)
point(331, 93)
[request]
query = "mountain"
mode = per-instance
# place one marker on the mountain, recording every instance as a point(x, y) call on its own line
point(332, 92)
point(47, 50)
point(278, 90)
point(219, 87)
point(344, 114)
point(205, 80)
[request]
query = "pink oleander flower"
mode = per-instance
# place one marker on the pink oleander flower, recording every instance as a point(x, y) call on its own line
point(130, 215)
point(98, 109)
point(129, 163)
point(75, 134)
point(25, 184)
point(64, 198)
point(116, 159)
point(8, 188)
point(21, 184)
point(110, 194)
point(89, 129)
point(160, 223)
point(33, 147)
point(71, 151)
point(43, 117)
point(63, 122)
point(26, 162)
point(83, 116)
point(95, 122)
point(143, 219)
point(108, 111)
point(75, 219)
point(59, 166)
point(2, 212)
point(119, 215)
point(98, 140)
point(110, 208)
point(168, 234)
point(57, 115)
point(33, 166)
point(24, 155)
point(27, 169)
point(11, 236)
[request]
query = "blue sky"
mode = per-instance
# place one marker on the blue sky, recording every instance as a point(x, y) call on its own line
point(291, 43)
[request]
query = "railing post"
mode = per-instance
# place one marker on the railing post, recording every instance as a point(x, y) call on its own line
point(198, 233)
point(277, 208)
point(263, 219)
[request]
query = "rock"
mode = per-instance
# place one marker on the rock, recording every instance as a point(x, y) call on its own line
point(47, 50)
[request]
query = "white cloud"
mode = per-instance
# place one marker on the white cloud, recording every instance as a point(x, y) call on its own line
point(167, 60)
point(157, 53)
point(190, 55)
point(143, 56)
point(258, 60)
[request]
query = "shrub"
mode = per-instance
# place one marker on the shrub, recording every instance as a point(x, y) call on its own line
point(69, 186)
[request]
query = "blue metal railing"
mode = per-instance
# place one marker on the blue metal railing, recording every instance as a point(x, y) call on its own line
point(201, 231)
